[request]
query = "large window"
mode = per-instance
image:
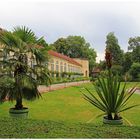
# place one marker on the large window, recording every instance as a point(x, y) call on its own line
point(68, 68)
point(57, 66)
point(33, 61)
point(52, 64)
point(65, 67)
point(71, 68)
point(61, 67)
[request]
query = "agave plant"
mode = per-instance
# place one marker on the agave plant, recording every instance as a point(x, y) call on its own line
point(23, 66)
point(111, 98)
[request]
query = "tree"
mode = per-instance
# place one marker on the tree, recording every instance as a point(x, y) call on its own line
point(135, 71)
point(117, 70)
point(60, 46)
point(102, 65)
point(127, 61)
point(113, 46)
point(76, 47)
point(134, 45)
point(19, 75)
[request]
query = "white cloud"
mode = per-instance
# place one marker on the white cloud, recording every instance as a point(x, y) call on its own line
point(100, 57)
point(91, 19)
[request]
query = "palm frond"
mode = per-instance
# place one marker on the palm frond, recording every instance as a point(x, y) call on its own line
point(10, 40)
point(25, 34)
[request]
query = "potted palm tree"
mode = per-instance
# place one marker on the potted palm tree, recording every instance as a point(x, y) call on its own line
point(110, 98)
point(23, 68)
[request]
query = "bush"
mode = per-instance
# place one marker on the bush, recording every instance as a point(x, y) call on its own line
point(6, 82)
point(127, 77)
point(135, 71)
point(117, 69)
point(57, 74)
point(57, 80)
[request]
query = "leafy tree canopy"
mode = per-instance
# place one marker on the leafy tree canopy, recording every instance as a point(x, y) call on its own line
point(135, 70)
point(76, 47)
point(134, 45)
point(127, 61)
point(113, 46)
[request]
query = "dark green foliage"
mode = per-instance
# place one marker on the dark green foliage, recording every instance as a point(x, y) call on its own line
point(135, 71)
point(136, 54)
point(113, 46)
point(127, 61)
point(60, 46)
point(9, 88)
point(102, 65)
point(58, 80)
point(117, 70)
point(134, 45)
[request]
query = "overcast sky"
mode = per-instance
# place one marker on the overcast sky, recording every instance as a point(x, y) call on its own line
point(91, 19)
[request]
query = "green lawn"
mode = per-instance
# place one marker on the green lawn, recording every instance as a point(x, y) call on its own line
point(67, 107)
point(11, 128)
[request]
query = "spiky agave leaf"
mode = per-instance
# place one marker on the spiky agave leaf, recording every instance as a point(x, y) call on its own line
point(111, 98)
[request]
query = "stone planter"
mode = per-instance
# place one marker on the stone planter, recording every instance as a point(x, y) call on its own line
point(112, 122)
point(18, 113)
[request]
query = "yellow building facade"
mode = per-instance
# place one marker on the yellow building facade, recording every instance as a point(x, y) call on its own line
point(62, 63)
point(85, 66)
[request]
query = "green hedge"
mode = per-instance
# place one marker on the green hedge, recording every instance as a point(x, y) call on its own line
point(65, 74)
point(57, 80)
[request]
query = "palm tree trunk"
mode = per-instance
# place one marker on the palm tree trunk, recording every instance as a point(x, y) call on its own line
point(19, 104)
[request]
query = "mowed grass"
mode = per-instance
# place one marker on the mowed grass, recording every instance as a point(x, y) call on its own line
point(68, 105)
point(17, 128)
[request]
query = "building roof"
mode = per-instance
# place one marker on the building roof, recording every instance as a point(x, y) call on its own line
point(59, 55)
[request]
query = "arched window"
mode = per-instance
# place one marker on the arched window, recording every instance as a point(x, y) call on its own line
point(65, 67)
point(68, 68)
point(61, 67)
point(57, 66)
point(52, 64)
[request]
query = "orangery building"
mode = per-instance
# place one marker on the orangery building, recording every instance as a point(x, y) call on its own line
point(62, 63)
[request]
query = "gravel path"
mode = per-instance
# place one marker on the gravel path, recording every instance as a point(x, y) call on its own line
point(43, 88)
point(137, 91)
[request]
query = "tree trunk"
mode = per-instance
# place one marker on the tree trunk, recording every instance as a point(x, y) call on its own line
point(19, 104)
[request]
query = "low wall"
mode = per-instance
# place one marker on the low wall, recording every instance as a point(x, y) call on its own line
point(43, 88)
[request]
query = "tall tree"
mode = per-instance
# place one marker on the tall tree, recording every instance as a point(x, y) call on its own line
point(134, 45)
point(127, 62)
point(76, 47)
point(113, 46)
